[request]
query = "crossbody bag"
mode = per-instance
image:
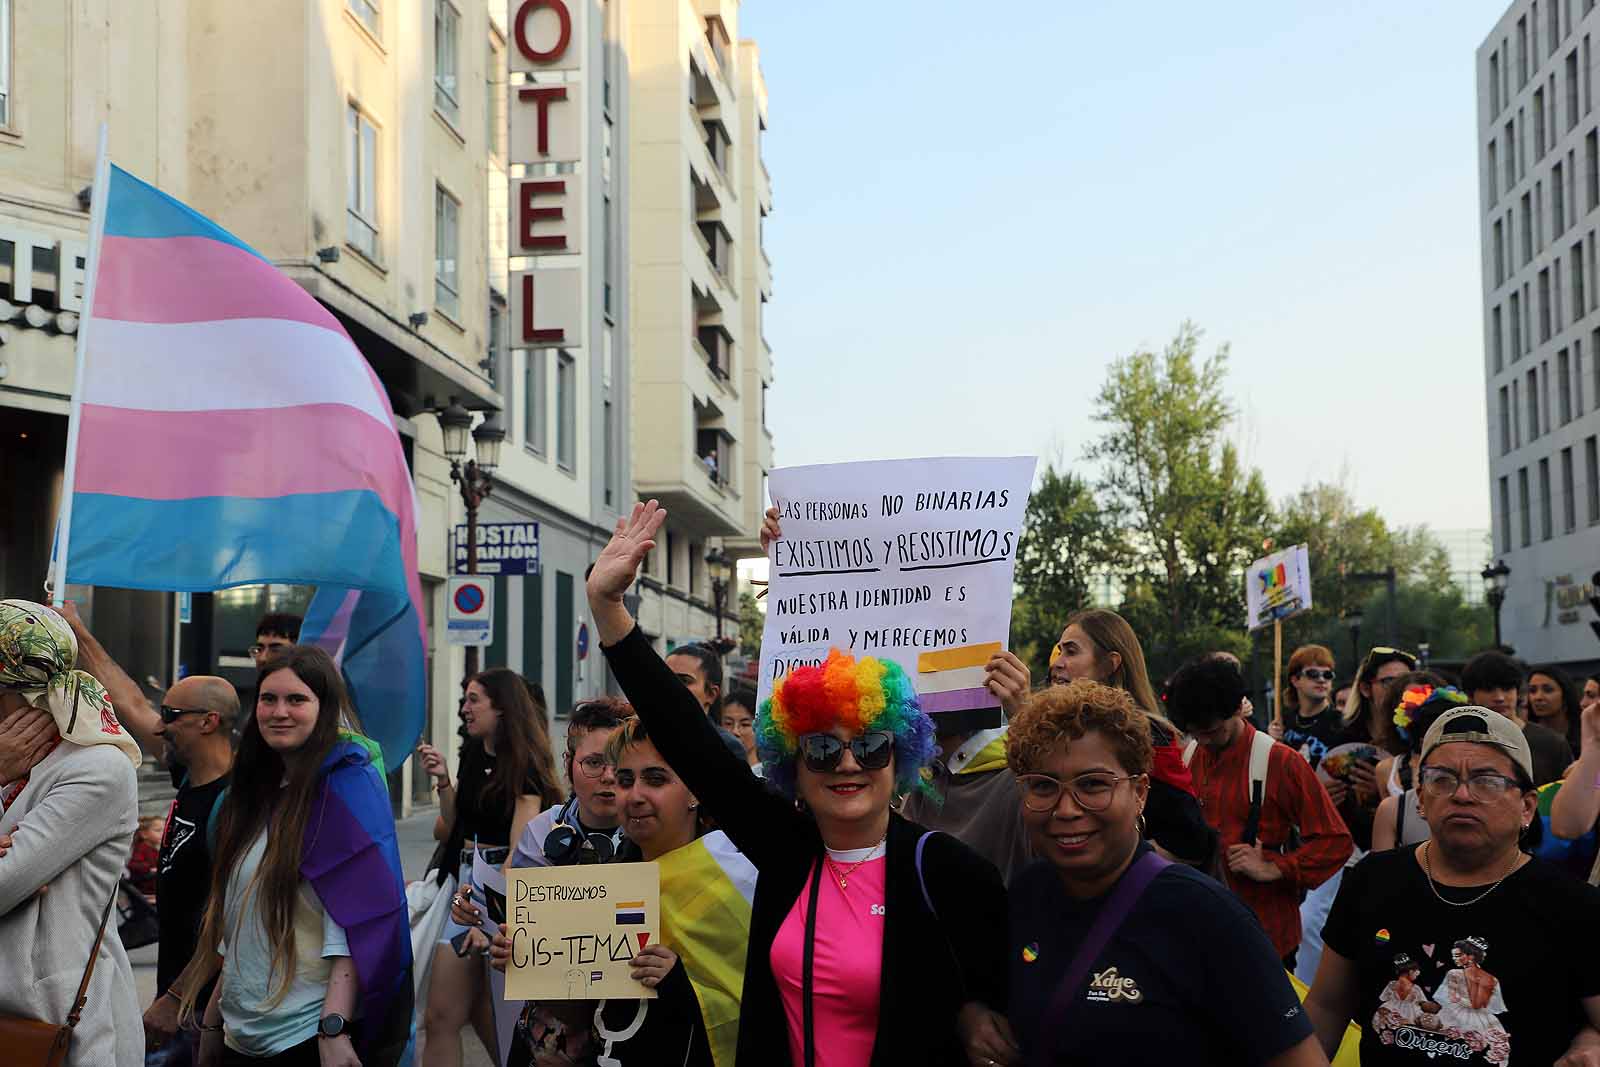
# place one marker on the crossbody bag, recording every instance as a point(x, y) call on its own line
point(33, 1043)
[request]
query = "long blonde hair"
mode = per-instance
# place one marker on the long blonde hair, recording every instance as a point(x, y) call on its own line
point(1110, 633)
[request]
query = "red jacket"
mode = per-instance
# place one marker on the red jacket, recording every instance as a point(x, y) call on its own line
point(1294, 800)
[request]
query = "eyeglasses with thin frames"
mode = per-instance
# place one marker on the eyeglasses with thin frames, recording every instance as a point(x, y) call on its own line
point(1483, 786)
point(1091, 792)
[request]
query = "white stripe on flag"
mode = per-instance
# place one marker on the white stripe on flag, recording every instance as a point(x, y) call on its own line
point(948, 681)
point(225, 366)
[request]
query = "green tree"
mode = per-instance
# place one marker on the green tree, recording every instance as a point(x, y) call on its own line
point(1194, 513)
point(1066, 538)
point(752, 620)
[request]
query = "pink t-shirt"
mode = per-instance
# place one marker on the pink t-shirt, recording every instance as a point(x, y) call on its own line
point(845, 969)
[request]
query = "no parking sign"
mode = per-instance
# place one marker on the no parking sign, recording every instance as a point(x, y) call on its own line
point(469, 619)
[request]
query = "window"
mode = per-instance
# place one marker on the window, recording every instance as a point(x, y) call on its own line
point(1516, 327)
point(1527, 319)
point(608, 259)
point(1538, 123)
point(1591, 166)
point(1555, 298)
point(446, 246)
point(1544, 305)
point(1494, 178)
point(1526, 507)
point(1533, 404)
point(1572, 88)
point(1558, 204)
point(1591, 463)
point(1499, 253)
point(1538, 215)
point(1522, 142)
point(446, 65)
point(1522, 51)
point(1505, 513)
point(1544, 397)
point(1494, 83)
point(671, 557)
point(1553, 27)
point(1511, 155)
point(1545, 527)
point(609, 444)
point(1564, 386)
point(566, 411)
point(1527, 228)
point(497, 341)
point(1588, 84)
point(1577, 378)
point(5, 62)
point(1505, 419)
point(1569, 499)
point(1494, 341)
point(366, 11)
point(1578, 291)
point(361, 221)
point(533, 409)
point(1516, 407)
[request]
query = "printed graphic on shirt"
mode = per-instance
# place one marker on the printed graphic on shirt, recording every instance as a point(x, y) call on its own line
point(1460, 1020)
point(1111, 986)
point(180, 832)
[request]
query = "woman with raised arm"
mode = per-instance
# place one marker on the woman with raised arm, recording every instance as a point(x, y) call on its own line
point(852, 902)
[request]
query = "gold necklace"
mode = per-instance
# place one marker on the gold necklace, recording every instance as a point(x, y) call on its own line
point(1427, 870)
point(842, 875)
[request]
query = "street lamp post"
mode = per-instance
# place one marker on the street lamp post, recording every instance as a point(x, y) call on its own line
point(719, 568)
point(1353, 620)
point(474, 477)
point(1494, 591)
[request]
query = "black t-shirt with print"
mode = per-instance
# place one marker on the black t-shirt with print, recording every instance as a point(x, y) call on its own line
point(183, 877)
point(1495, 982)
point(1312, 737)
point(1189, 975)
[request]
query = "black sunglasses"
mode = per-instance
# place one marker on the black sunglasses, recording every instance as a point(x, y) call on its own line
point(1317, 674)
point(823, 752)
point(169, 715)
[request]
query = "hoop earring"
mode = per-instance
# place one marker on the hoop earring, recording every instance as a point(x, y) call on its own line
point(1138, 823)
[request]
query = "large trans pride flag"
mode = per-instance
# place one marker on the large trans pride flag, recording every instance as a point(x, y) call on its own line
point(228, 432)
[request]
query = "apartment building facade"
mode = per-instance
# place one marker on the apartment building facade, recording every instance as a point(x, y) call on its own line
point(1539, 177)
point(363, 146)
point(699, 278)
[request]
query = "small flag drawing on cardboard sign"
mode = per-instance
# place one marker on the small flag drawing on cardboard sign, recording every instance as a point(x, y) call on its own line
point(630, 913)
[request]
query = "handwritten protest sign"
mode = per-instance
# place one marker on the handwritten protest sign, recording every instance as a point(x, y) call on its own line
point(909, 560)
point(1278, 586)
point(574, 929)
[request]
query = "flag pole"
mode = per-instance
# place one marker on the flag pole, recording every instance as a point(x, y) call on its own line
point(100, 193)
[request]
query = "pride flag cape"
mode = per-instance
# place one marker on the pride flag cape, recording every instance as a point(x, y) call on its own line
point(226, 431)
point(352, 860)
point(706, 890)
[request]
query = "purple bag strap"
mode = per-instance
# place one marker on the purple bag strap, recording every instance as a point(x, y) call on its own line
point(1113, 913)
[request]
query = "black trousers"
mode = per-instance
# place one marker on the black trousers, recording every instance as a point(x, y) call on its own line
point(302, 1055)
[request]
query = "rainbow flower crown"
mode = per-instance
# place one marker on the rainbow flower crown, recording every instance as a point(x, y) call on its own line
point(1415, 697)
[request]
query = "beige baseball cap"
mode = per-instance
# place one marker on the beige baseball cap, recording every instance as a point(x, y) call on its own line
point(1485, 727)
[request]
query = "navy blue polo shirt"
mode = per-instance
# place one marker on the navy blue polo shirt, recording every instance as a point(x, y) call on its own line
point(1190, 976)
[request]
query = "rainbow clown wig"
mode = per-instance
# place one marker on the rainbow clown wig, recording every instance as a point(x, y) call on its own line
point(857, 694)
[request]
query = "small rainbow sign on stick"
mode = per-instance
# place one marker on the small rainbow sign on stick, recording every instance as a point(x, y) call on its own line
point(1278, 586)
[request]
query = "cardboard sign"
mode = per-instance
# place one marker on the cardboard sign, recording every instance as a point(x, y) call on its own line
point(1278, 586)
point(574, 929)
point(908, 560)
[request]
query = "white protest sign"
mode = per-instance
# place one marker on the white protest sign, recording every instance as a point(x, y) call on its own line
point(1278, 586)
point(574, 929)
point(908, 560)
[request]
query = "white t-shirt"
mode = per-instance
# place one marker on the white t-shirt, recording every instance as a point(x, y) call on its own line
point(253, 1022)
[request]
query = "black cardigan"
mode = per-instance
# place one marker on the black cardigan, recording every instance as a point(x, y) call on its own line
point(932, 964)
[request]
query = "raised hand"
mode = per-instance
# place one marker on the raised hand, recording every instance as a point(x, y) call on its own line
point(770, 530)
point(618, 565)
point(1589, 727)
point(1006, 677)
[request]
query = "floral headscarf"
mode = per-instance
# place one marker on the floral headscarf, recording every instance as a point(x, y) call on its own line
point(38, 654)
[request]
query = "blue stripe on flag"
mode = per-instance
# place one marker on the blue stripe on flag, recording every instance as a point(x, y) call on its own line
point(136, 209)
point(214, 542)
point(384, 666)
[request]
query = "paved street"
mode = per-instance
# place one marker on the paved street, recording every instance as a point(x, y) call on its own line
point(416, 846)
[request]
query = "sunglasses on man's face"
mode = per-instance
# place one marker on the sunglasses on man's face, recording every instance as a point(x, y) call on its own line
point(824, 752)
point(169, 715)
point(1317, 674)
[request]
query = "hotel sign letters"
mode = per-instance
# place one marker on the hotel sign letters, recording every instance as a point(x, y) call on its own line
point(547, 138)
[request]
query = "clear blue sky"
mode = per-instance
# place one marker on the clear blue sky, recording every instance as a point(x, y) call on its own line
point(974, 216)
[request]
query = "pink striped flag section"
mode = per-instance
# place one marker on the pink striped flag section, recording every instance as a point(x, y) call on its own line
point(231, 433)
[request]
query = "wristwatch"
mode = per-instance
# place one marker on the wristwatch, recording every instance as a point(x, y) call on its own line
point(331, 1026)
